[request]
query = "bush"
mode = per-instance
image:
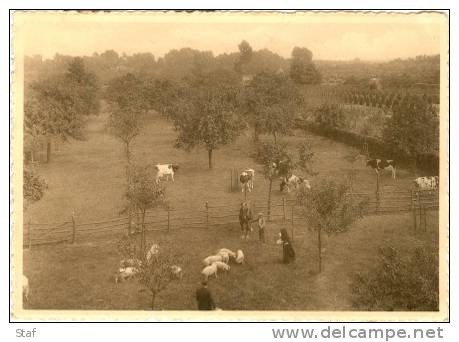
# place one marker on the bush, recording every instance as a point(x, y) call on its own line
point(398, 284)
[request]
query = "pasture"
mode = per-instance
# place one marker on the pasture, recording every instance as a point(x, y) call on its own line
point(88, 177)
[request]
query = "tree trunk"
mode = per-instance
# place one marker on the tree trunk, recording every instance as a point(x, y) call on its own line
point(153, 297)
point(275, 138)
point(256, 137)
point(319, 244)
point(48, 151)
point(142, 236)
point(210, 159)
point(269, 198)
point(128, 177)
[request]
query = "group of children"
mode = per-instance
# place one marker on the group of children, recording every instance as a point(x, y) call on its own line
point(246, 219)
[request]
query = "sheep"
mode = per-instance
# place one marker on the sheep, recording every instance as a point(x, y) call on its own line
point(225, 257)
point(228, 251)
point(209, 270)
point(125, 273)
point(210, 259)
point(132, 262)
point(222, 265)
point(153, 251)
point(240, 257)
point(25, 287)
point(176, 272)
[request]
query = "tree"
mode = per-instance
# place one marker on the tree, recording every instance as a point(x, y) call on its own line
point(144, 193)
point(207, 115)
point(413, 127)
point(245, 55)
point(398, 283)
point(156, 274)
point(302, 69)
point(328, 208)
point(270, 104)
point(57, 106)
point(34, 187)
point(275, 160)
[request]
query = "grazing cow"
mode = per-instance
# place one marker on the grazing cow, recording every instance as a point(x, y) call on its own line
point(246, 179)
point(25, 287)
point(382, 164)
point(165, 170)
point(295, 182)
point(426, 183)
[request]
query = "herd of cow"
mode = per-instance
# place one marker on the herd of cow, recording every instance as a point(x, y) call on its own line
point(289, 181)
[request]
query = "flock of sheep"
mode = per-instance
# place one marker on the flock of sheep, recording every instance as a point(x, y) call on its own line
point(220, 261)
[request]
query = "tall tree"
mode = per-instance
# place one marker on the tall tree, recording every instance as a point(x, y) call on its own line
point(275, 160)
point(245, 55)
point(413, 127)
point(328, 208)
point(302, 69)
point(207, 114)
point(145, 194)
point(270, 104)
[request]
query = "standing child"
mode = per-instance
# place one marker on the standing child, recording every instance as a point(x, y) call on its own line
point(261, 227)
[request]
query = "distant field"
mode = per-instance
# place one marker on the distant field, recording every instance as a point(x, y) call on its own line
point(88, 177)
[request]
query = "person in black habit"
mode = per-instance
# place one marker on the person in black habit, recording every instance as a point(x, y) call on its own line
point(287, 248)
point(204, 298)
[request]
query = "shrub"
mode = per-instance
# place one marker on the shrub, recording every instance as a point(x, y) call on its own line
point(409, 284)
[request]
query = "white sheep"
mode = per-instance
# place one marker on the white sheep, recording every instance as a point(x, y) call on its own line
point(210, 259)
point(222, 266)
point(239, 257)
point(176, 272)
point(228, 251)
point(25, 287)
point(153, 251)
point(225, 256)
point(125, 273)
point(132, 262)
point(209, 270)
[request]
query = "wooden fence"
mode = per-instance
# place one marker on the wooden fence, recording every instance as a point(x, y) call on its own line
point(420, 203)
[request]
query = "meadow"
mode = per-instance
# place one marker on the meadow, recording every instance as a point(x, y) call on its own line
point(88, 178)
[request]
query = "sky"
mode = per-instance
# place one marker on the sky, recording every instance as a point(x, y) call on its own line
point(329, 37)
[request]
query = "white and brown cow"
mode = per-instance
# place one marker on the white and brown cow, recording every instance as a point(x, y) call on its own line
point(426, 183)
point(293, 182)
point(246, 179)
point(165, 170)
point(382, 164)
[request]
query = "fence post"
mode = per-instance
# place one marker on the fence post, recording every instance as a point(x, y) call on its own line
point(293, 227)
point(377, 192)
point(168, 220)
point(207, 214)
point(231, 180)
point(413, 209)
point(283, 207)
point(73, 227)
point(425, 218)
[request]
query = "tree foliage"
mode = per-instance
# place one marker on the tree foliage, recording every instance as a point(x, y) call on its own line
point(413, 128)
point(270, 104)
point(245, 56)
point(34, 186)
point(302, 69)
point(328, 208)
point(207, 115)
point(398, 283)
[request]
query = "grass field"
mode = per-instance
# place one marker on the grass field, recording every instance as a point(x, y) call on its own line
point(88, 177)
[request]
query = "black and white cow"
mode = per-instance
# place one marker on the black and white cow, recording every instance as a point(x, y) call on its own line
point(382, 164)
point(246, 179)
point(294, 182)
point(165, 170)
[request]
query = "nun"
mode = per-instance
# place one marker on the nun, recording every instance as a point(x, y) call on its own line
point(287, 249)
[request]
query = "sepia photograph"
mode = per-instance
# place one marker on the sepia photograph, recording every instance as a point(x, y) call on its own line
point(225, 165)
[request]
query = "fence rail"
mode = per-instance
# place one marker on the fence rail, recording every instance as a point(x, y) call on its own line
point(417, 202)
